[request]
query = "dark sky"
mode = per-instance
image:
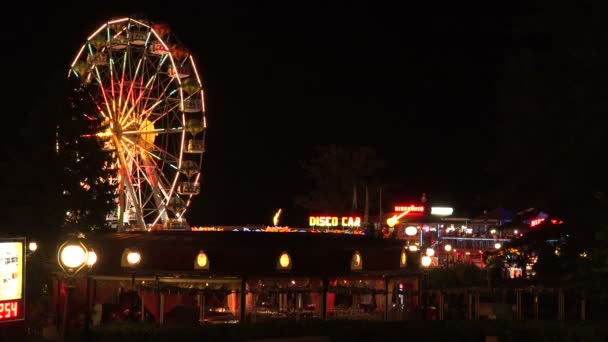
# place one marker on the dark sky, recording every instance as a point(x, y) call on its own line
point(418, 82)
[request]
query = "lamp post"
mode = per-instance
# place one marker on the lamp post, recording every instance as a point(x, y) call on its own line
point(73, 257)
point(448, 254)
point(131, 258)
point(425, 261)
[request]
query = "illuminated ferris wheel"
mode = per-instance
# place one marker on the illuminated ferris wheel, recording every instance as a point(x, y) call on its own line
point(149, 95)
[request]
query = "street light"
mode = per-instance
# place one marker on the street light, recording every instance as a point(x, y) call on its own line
point(430, 252)
point(448, 248)
point(425, 261)
point(72, 257)
point(497, 245)
point(32, 246)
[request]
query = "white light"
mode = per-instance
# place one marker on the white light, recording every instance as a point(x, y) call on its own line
point(497, 245)
point(411, 231)
point(133, 258)
point(92, 259)
point(448, 248)
point(493, 231)
point(426, 261)
point(430, 252)
point(73, 256)
point(413, 248)
point(515, 231)
point(32, 246)
point(442, 211)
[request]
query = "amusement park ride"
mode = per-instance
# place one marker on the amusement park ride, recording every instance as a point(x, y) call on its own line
point(149, 95)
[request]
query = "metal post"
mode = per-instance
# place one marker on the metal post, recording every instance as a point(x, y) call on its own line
point(476, 305)
point(298, 305)
point(243, 300)
point(470, 306)
point(324, 299)
point(536, 305)
point(518, 314)
point(68, 289)
point(441, 306)
point(386, 281)
point(87, 310)
point(161, 312)
point(560, 305)
point(583, 306)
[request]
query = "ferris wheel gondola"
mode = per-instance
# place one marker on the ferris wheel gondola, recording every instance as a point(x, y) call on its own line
point(149, 95)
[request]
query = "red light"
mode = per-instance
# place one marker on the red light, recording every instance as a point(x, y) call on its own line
point(534, 223)
point(9, 310)
point(410, 208)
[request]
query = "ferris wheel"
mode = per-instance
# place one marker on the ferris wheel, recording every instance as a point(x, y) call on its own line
point(149, 96)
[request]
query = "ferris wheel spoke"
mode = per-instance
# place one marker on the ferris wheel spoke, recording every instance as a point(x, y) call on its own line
point(151, 174)
point(165, 156)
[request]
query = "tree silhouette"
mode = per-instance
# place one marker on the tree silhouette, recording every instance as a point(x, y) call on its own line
point(335, 171)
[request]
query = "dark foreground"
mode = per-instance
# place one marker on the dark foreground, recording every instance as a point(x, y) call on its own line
point(452, 331)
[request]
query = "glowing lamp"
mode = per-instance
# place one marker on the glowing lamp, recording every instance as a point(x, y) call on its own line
point(413, 248)
point(92, 259)
point(133, 258)
point(430, 252)
point(356, 262)
point(448, 248)
point(497, 245)
point(426, 261)
point(32, 246)
point(284, 262)
point(411, 231)
point(73, 256)
point(202, 262)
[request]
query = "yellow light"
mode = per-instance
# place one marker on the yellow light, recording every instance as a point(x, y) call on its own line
point(284, 260)
point(426, 261)
point(275, 219)
point(73, 256)
point(497, 245)
point(413, 248)
point(133, 258)
point(448, 248)
point(403, 258)
point(430, 252)
point(32, 246)
point(392, 221)
point(493, 231)
point(147, 132)
point(357, 260)
point(92, 259)
point(201, 260)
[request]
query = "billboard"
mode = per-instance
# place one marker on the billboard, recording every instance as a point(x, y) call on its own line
point(12, 279)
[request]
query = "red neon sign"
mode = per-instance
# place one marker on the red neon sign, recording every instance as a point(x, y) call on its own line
point(534, 223)
point(410, 209)
point(10, 310)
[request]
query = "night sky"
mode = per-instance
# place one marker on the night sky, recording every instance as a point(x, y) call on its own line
point(417, 82)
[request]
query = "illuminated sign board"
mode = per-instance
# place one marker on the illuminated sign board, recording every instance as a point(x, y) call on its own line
point(442, 211)
point(334, 221)
point(536, 222)
point(12, 271)
point(410, 208)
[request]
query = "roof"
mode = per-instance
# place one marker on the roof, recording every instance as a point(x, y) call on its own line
point(243, 254)
point(498, 214)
